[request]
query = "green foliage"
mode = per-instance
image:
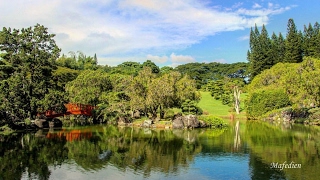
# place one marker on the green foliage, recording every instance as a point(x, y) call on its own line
point(202, 73)
point(293, 44)
point(62, 75)
point(190, 107)
point(169, 114)
point(301, 81)
point(311, 40)
point(148, 93)
point(78, 62)
point(265, 52)
point(127, 68)
point(227, 99)
point(90, 87)
point(314, 113)
point(223, 90)
point(152, 65)
point(27, 62)
point(216, 89)
point(166, 69)
point(261, 102)
point(213, 121)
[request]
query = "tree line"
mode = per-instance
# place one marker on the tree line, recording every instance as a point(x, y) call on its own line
point(35, 78)
point(284, 73)
point(265, 52)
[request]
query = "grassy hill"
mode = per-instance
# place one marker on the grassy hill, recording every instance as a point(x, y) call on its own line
point(215, 107)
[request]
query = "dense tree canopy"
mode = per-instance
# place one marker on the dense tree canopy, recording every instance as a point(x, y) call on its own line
point(299, 80)
point(202, 73)
point(90, 87)
point(78, 62)
point(27, 62)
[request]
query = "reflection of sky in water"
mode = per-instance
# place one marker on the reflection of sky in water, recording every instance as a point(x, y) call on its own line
point(223, 166)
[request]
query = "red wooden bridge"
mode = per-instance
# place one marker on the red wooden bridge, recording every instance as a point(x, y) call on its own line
point(72, 108)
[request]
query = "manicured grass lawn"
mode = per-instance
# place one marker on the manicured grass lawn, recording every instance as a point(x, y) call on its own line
point(215, 107)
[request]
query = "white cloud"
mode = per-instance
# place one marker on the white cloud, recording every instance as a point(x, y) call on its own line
point(157, 59)
point(243, 38)
point(113, 28)
point(181, 58)
point(220, 60)
point(256, 5)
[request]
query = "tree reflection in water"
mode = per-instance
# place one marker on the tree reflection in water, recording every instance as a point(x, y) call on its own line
point(169, 152)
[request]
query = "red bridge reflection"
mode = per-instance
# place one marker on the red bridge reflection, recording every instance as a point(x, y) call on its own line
point(73, 135)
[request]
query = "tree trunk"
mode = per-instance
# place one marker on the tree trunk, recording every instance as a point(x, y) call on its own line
point(161, 113)
point(236, 93)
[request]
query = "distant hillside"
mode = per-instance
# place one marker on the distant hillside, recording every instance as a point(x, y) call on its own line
point(203, 72)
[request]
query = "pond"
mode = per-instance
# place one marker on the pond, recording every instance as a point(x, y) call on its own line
point(249, 150)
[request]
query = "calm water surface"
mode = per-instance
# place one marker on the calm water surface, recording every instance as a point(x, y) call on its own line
point(106, 152)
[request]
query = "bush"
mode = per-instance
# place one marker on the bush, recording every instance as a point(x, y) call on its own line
point(169, 114)
point(314, 113)
point(227, 99)
point(190, 107)
point(213, 121)
point(261, 102)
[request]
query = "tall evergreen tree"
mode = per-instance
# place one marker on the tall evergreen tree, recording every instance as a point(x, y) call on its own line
point(275, 48)
point(293, 52)
point(260, 54)
point(316, 40)
point(252, 55)
point(265, 50)
point(281, 48)
point(308, 35)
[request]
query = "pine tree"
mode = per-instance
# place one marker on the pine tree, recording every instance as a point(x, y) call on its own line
point(293, 53)
point(252, 54)
point(281, 48)
point(316, 42)
point(260, 54)
point(265, 50)
point(95, 59)
point(307, 40)
point(275, 48)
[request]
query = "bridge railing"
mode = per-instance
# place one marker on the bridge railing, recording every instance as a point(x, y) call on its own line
point(72, 108)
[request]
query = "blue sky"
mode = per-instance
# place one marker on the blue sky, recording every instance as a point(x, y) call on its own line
point(168, 32)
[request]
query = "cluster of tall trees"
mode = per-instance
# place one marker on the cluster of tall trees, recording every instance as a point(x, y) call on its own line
point(265, 51)
point(78, 61)
point(26, 67)
point(123, 96)
point(33, 78)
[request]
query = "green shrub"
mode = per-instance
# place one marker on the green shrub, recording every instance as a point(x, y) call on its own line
point(169, 114)
point(227, 99)
point(27, 121)
point(261, 102)
point(190, 107)
point(213, 121)
point(314, 113)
